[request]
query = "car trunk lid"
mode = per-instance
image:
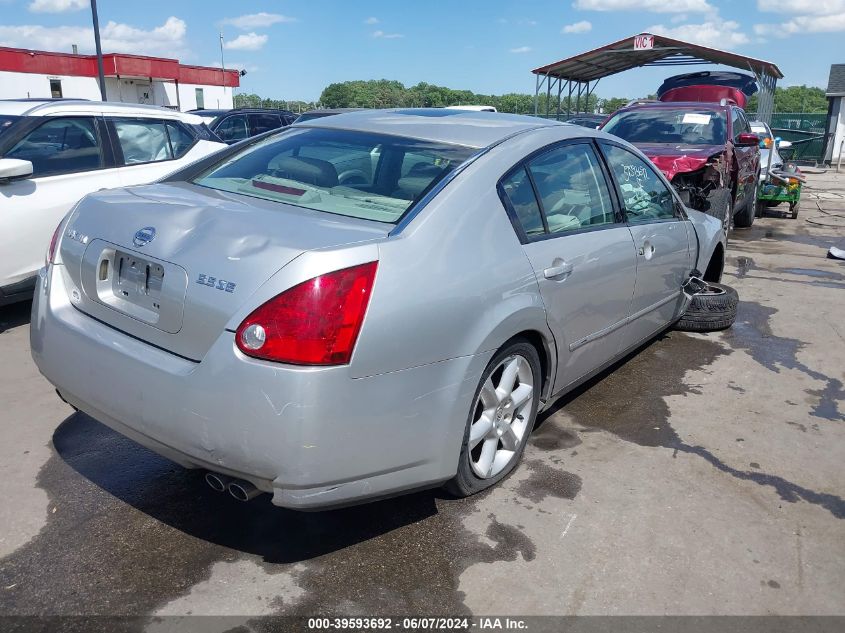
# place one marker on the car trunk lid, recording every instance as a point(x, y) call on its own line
point(171, 263)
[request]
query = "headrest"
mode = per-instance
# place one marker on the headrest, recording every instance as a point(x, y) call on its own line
point(312, 171)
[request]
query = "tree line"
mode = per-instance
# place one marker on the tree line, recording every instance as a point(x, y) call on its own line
point(385, 93)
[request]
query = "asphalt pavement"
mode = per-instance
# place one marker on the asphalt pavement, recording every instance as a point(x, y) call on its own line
point(705, 474)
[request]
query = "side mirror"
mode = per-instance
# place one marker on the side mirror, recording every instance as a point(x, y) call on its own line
point(784, 144)
point(746, 139)
point(14, 169)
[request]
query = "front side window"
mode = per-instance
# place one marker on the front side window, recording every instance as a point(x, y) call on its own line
point(645, 197)
point(669, 125)
point(740, 125)
point(233, 128)
point(303, 167)
point(143, 140)
point(60, 146)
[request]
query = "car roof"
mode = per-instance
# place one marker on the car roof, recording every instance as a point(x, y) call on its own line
point(83, 107)
point(219, 111)
point(458, 127)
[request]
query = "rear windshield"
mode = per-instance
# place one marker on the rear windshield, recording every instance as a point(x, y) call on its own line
point(668, 125)
point(361, 175)
point(6, 122)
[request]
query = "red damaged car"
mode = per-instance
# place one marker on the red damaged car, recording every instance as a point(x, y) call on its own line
point(706, 150)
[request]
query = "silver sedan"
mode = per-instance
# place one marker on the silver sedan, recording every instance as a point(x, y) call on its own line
point(365, 304)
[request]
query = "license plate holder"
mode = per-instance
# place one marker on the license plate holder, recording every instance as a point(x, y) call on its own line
point(137, 280)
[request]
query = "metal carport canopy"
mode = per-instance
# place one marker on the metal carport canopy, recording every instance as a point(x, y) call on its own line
point(582, 72)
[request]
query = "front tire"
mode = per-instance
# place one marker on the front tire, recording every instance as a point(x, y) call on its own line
point(745, 218)
point(500, 420)
point(711, 310)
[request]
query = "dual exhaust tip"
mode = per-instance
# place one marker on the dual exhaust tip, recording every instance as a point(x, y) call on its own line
point(238, 488)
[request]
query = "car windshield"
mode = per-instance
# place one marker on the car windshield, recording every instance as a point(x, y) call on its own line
point(6, 121)
point(669, 125)
point(357, 174)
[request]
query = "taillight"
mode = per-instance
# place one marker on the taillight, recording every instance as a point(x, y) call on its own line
point(314, 323)
point(54, 242)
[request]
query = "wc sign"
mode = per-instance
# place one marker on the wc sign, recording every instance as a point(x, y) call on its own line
point(643, 42)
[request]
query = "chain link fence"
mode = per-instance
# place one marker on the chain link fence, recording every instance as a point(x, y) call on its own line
point(805, 130)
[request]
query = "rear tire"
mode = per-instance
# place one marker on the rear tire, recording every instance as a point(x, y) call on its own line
point(793, 209)
point(500, 420)
point(711, 310)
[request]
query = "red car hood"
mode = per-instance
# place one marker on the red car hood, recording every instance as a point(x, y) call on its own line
point(677, 158)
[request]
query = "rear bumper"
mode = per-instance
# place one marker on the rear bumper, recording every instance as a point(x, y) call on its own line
point(313, 437)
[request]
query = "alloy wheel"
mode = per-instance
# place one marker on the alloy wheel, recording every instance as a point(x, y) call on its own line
point(501, 416)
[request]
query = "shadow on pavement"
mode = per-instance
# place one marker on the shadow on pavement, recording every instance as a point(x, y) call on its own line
point(14, 315)
point(181, 499)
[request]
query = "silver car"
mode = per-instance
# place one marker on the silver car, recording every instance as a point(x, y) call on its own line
point(367, 303)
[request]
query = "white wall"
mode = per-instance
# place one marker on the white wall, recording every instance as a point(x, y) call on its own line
point(163, 93)
point(215, 96)
point(23, 85)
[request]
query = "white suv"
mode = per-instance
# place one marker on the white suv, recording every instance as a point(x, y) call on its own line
point(52, 153)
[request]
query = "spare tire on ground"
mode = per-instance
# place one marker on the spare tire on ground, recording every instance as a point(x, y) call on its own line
point(712, 309)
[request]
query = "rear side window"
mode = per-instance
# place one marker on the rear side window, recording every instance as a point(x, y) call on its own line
point(260, 123)
point(571, 192)
point(151, 140)
point(60, 146)
point(519, 191)
point(143, 140)
point(572, 188)
point(356, 174)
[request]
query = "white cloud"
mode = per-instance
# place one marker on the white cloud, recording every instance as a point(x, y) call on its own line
point(578, 27)
point(371, 21)
point(167, 39)
point(803, 24)
point(653, 6)
point(246, 42)
point(809, 16)
point(802, 7)
point(522, 49)
point(58, 6)
point(716, 34)
point(257, 20)
point(528, 22)
point(381, 35)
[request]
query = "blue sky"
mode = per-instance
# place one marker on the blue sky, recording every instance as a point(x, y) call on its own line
point(292, 50)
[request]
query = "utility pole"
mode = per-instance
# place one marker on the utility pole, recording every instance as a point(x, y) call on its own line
point(223, 69)
point(99, 49)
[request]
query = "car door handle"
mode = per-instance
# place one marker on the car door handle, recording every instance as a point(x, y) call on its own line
point(559, 268)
